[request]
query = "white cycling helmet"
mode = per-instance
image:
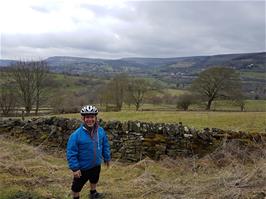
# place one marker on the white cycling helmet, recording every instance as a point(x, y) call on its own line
point(89, 110)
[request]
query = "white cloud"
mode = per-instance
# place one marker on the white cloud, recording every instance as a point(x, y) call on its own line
point(114, 29)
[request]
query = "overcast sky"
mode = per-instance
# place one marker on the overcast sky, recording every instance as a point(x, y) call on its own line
point(39, 29)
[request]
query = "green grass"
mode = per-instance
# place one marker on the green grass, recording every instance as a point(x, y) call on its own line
point(237, 121)
point(219, 105)
point(250, 105)
point(226, 116)
point(256, 75)
point(70, 82)
point(176, 92)
point(256, 105)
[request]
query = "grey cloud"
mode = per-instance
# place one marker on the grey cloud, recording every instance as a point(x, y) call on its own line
point(127, 13)
point(232, 26)
point(80, 40)
point(156, 29)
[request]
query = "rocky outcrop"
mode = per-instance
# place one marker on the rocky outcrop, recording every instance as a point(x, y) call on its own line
point(130, 141)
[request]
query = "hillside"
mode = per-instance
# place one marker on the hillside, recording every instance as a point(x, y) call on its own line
point(177, 72)
point(245, 62)
point(255, 62)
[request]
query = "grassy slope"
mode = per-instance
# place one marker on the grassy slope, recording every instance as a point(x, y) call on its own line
point(81, 84)
point(70, 83)
point(26, 170)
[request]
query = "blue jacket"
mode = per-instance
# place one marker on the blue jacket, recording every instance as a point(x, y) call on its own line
point(85, 152)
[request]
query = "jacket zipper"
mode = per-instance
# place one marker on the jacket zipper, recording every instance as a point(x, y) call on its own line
point(95, 143)
point(94, 140)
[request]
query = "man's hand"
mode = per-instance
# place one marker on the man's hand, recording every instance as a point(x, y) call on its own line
point(77, 174)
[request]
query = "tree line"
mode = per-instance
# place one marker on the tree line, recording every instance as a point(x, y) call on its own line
point(28, 82)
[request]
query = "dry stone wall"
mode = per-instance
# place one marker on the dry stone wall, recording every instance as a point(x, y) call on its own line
point(130, 141)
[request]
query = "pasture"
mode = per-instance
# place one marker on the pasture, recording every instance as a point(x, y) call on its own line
point(237, 121)
point(226, 115)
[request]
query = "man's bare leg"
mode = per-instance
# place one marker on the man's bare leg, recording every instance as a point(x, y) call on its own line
point(93, 186)
point(75, 194)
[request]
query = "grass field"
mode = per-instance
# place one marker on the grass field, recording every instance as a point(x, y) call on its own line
point(244, 121)
point(250, 105)
point(28, 172)
point(226, 116)
point(219, 105)
point(256, 75)
point(175, 92)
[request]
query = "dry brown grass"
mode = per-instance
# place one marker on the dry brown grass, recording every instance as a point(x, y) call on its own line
point(235, 170)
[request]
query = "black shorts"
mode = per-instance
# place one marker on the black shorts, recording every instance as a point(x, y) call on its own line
point(92, 175)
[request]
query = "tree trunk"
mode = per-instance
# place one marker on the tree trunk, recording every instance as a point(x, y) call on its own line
point(27, 109)
point(37, 103)
point(118, 106)
point(242, 107)
point(37, 108)
point(137, 106)
point(208, 107)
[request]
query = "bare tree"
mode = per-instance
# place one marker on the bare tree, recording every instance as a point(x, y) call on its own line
point(217, 82)
point(118, 86)
point(8, 99)
point(136, 91)
point(29, 77)
point(241, 103)
point(121, 82)
point(115, 91)
point(105, 97)
point(239, 100)
point(40, 70)
point(24, 78)
point(128, 100)
point(64, 101)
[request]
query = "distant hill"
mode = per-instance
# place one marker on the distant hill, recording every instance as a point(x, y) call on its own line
point(6, 62)
point(175, 72)
point(255, 62)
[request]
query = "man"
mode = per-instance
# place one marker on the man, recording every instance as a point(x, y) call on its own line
point(85, 149)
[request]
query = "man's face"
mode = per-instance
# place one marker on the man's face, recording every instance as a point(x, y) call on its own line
point(89, 120)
